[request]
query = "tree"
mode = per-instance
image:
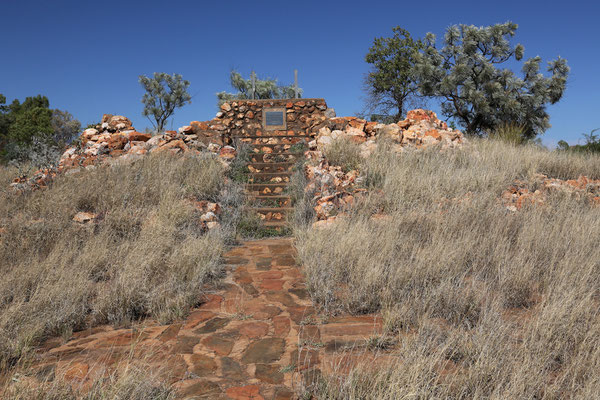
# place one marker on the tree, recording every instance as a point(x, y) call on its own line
point(391, 82)
point(466, 75)
point(264, 89)
point(64, 126)
point(31, 131)
point(592, 143)
point(164, 93)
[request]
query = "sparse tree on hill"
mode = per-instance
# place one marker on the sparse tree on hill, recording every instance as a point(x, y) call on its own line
point(264, 89)
point(467, 75)
point(391, 84)
point(64, 126)
point(164, 93)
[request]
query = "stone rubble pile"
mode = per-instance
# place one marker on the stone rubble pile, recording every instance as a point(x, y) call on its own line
point(332, 189)
point(420, 129)
point(115, 139)
point(521, 193)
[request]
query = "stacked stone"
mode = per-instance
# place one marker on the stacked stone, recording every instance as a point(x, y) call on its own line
point(244, 117)
point(421, 128)
point(115, 139)
point(519, 195)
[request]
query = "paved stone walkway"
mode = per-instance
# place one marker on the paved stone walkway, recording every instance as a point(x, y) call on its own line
point(258, 337)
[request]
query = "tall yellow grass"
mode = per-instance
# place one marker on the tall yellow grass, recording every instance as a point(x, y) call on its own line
point(484, 303)
point(146, 256)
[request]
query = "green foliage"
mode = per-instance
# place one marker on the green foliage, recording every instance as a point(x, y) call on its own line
point(264, 89)
point(65, 127)
point(592, 144)
point(510, 132)
point(391, 81)
point(31, 131)
point(466, 75)
point(32, 118)
point(164, 93)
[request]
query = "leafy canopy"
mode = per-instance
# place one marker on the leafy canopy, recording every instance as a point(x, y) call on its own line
point(466, 75)
point(164, 93)
point(391, 81)
point(264, 89)
point(27, 127)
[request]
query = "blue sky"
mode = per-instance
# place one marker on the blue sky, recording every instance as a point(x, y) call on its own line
point(86, 56)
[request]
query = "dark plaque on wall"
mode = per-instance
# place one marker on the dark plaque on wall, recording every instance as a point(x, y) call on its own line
point(274, 118)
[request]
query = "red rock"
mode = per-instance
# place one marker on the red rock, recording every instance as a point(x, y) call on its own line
point(250, 392)
point(187, 130)
point(271, 284)
point(281, 325)
point(219, 345)
point(202, 365)
point(139, 137)
point(117, 142)
point(254, 329)
point(227, 152)
point(434, 134)
point(84, 217)
point(199, 126)
point(77, 371)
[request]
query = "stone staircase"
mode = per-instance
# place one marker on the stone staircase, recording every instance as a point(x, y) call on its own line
point(271, 166)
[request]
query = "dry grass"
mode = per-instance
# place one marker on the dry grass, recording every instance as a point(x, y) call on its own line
point(132, 380)
point(146, 256)
point(485, 303)
point(341, 151)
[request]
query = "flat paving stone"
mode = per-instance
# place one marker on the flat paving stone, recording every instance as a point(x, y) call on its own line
point(269, 373)
point(212, 325)
point(202, 365)
point(256, 336)
point(264, 351)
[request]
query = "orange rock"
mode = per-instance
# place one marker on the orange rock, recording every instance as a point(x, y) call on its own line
point(254, 329)
point(250, 392)
point(434, 134)
point(117, 142)
point(77, 371)
point(84, 217)
point(139, 137)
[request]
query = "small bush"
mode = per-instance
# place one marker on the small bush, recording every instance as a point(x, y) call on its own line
point(344, 153)
point(510, 132)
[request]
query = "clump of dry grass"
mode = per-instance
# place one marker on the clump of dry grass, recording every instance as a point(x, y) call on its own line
point(133, 380)
point(341, 151)
point(146, 256)
point(509, 300)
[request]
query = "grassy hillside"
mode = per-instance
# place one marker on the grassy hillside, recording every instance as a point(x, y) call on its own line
point(147, 254)
point(482, 302)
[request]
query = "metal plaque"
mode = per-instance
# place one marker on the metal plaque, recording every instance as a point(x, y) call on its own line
point(273, 118)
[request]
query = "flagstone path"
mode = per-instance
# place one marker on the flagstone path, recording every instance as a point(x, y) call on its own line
point(257, 337)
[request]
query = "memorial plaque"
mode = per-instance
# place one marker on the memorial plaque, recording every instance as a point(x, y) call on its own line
point(274, 119)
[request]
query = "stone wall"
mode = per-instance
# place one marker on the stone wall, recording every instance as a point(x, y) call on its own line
point(245, 118)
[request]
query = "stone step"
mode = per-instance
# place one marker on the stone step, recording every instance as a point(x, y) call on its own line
point(279, 156)
point(270, 201)
point(271, 137)
point(261, 185)
point(271, 164)
point(274, 224)
point(266, 189)
point(263, 210)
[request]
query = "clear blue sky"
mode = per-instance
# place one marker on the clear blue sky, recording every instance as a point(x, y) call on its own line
point(86, 55)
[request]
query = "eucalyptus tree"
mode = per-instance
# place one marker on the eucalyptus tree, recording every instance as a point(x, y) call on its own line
point(391, 83)
point(470, 76)
point(164, 93)
point(267, 88)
